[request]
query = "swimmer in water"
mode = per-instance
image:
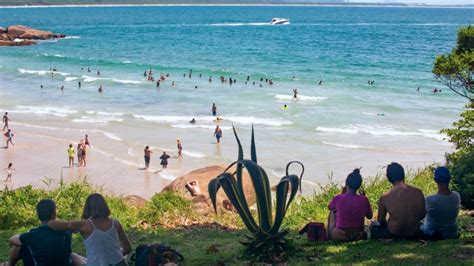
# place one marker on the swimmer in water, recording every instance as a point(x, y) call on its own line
point(62, 88)
point(158, 84)
point(100, 90)
point(295, 93)
point(196, 87)
point(218, 119)
point(210, 78)
point(98, 72)
point(79, 84)
point(172, 83)
point(284, 107)
point(214, 109)
point(320, 82)
point(193, 121)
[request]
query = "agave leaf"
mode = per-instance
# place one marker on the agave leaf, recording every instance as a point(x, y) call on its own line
point(240, 183)
point(228, 183)
point(302, 170)
point(292, 182)
point(263, 193)
point(253, 148)
point(213, 187)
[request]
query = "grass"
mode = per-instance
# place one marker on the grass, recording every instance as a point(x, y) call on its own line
point(214, 240)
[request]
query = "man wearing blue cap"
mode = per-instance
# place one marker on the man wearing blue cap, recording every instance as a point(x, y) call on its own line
point(442, 208)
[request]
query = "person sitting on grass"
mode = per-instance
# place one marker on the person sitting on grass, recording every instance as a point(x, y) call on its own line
point(104, 238)
point(43, 246)
point(347, 211)
point(442, 209)
point(404, 204)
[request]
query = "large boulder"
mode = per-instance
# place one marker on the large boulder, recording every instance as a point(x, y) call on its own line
point(202, 203)
point(22, 35)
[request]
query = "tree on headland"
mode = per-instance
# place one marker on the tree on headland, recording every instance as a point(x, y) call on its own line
point(455, 70)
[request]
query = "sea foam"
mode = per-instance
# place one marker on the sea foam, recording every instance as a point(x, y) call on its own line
point(380, 130)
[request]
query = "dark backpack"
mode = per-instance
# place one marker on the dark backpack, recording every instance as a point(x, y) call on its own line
point(316, 232)
point(155, 254)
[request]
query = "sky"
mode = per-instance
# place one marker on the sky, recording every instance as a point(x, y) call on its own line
point(433, 2)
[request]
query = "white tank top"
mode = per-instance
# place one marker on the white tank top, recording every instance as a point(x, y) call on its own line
point(103, 247)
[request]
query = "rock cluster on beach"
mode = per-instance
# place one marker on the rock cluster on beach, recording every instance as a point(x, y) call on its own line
point(19, 35)
point(202, 203)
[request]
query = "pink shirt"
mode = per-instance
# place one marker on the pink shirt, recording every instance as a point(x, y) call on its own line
point(350, 210)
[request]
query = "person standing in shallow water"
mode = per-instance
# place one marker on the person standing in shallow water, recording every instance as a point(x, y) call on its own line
point(218, 134)
point(295, 93)
point(148, 153)
point(164, 160)
point(180, 148)
point(214, 109)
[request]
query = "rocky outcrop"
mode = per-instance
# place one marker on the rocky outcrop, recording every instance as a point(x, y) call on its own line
point(19, 35)
point(202, 203)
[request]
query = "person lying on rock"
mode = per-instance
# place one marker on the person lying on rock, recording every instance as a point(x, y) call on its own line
point(347, 211)
point(193, 188)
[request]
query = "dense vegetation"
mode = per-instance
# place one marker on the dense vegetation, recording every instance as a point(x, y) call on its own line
point(210, 240)
point(455, 70)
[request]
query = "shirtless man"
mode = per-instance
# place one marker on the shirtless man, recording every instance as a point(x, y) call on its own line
point(404, 204)
point(193, 188)
point(5, 121)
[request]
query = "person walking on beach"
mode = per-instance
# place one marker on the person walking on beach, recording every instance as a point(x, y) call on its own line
point(218, 134)
point(164, 160)
point(70, 153)
point(9, 136)
point(5, 121)
point(148, 153)
point(214, 109)
point(180, 148)
point(9, 170)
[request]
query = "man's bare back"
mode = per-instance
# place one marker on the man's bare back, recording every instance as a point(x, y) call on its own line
point(406, 208)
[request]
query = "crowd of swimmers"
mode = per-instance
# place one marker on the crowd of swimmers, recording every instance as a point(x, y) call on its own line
point(404, 213)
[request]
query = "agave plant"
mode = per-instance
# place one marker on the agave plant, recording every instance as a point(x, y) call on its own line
point(267, 240)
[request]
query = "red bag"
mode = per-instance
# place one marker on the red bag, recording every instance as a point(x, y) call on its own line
point(316, 232)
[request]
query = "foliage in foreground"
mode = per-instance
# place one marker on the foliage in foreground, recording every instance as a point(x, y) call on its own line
point(267, 241)
point(455, 70)
point(209, 243)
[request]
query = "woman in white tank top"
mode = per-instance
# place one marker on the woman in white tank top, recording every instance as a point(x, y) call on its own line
point(104, 238)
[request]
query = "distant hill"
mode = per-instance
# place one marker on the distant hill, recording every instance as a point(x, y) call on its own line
point(142, 2)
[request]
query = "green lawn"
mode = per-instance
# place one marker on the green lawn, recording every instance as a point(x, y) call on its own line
point(213, 245)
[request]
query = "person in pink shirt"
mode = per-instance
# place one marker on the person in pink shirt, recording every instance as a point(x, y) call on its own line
point(347, 211)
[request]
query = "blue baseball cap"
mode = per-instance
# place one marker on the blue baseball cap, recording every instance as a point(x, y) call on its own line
point(442, 175)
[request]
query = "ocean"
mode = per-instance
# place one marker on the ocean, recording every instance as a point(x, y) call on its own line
point(332, 127)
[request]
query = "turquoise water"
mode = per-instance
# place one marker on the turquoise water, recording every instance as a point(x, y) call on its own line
point(341, 124)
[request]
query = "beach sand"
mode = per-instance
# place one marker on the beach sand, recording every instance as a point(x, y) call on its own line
point(39, 155)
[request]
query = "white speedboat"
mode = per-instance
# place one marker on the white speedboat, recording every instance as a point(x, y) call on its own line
point(280, 21)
